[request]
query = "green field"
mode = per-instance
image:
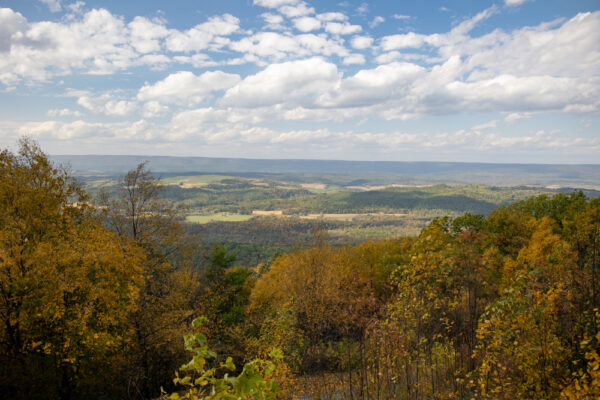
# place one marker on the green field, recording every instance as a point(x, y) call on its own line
point(221, 217)
point(194, 180)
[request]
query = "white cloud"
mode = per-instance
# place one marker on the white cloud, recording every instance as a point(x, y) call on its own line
point(156, 62)
point(292, 83)
point(450, 40)
point(373, 86)
point(65, 112)
point(107, 104)
point(486, 125)
point(203, 35)
point(376, 21)
point(154, 109)
point(11, 23)
point(98, 42)
point(344, 28)
point(332, 16)
point(274, 21)
point(307, 24)
point(512, 3)
point(354, 59)
point(402, 41)
point(145, 34)
point(514, 117)
point(186, 88)
point(297, 10)
point(401, 16)
point(53, 5)
point(75, 8)
point(279, 46)
point(213, 127)
point(361, 42)
point(65, 131)
point(274, 3)
point(542, 50)
point(363, 9)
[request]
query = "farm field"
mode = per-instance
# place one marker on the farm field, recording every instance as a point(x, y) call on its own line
point(257, 216)
point(222, 217)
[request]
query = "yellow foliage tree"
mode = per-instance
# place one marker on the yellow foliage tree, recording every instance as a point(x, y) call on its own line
point(521, 349)
point(66, 284)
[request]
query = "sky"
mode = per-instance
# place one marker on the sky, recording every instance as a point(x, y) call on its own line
point(507, 81)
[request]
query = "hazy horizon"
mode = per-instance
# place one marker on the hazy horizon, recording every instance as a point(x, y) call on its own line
point(324, 159)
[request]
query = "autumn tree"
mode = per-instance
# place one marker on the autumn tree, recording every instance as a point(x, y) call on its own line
point(523, 334)
point(66, 284)
point(136, 213)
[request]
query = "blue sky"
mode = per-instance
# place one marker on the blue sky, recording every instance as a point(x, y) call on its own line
point(482, 81)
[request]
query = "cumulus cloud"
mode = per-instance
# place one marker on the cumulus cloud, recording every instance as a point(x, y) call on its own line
point(152, 109)
point(202, 36)
point(343, 28)
point(332, 16)
point(292, 83)
point(361, 42)
point(297, 10)
point(146, 34)
point(186, 88)
point(373, 86)
point(307, 24)
point(11, 23)
point(548, 49)
point(354, 59)
point(376, 21)
point(97, 42)
point(273, 21)
point(280, 46)
point(107, 104)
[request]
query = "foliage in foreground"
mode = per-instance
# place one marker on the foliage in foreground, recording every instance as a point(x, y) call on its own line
point(255, 381)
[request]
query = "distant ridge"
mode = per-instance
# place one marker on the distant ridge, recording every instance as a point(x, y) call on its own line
point(585, 175)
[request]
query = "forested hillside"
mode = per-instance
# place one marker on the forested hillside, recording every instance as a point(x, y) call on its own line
point(97, 293)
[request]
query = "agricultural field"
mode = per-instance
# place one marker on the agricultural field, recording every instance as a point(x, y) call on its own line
point(221, 217)
point(257, 216)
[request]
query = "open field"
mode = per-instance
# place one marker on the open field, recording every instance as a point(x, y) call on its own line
point(350, 217)
point(194, 181)
point(222, 217)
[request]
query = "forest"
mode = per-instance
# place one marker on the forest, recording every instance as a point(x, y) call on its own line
point(105, 294)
